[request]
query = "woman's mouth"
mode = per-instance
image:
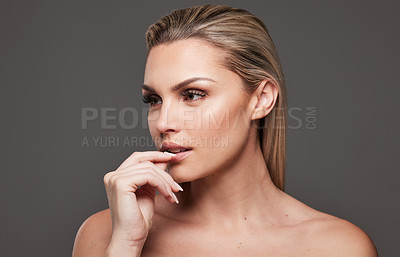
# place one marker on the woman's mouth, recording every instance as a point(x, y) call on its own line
point(179, 156)
point(180, 152)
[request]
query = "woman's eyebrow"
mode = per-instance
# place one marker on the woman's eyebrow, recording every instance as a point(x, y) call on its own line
point(179, 85)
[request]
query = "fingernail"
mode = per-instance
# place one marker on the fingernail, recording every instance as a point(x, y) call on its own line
point(172, 154)
point(180, 188)
point(176, 199)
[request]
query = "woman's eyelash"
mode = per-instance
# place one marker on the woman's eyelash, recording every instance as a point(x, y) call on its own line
point(191, 91)
point(149, 98)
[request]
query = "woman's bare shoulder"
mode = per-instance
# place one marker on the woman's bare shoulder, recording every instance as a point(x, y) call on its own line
point(333, 236)
point(330, 236)
point(93, 236)
point(322, 234)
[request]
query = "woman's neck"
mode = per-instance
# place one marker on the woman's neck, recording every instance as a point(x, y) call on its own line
point(232, 197)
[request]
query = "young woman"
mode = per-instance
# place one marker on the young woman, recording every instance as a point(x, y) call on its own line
point(216, 92)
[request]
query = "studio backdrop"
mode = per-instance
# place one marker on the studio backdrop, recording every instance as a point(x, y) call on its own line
point(71, 110)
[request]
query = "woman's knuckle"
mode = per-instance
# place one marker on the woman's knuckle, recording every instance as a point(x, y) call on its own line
point(113, 179)
point(107, 176)
point(150, 174)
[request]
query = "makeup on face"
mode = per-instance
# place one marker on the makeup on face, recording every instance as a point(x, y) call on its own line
point(196, 104)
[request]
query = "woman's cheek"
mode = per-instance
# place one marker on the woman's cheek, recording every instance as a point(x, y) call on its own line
point(213, 117)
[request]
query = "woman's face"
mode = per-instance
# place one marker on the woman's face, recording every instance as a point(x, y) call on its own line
point(210, 115)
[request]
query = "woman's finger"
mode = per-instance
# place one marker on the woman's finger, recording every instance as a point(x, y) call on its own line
point(174, 186)
point(137, 157)
point(130, 181)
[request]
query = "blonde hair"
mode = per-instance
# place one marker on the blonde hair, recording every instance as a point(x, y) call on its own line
point(251, 54)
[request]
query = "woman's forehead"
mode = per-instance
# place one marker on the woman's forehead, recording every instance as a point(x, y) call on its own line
point(190, 56)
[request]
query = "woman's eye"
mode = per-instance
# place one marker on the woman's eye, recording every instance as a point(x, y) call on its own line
point(149, 100)
point(193, 94)
point(188, 95)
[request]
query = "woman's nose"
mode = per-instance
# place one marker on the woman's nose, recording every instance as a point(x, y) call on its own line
point(169, 118)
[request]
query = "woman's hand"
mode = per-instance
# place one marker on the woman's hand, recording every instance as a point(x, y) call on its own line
point(131, 191)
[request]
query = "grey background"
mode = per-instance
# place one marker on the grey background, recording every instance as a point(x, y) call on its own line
point(58, 57)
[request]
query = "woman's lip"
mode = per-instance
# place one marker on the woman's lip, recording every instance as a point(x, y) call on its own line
point(180, 156)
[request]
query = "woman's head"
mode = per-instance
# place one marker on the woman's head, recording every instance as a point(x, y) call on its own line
point(233, 50)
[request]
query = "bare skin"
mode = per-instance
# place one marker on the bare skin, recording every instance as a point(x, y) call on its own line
point(230, 207)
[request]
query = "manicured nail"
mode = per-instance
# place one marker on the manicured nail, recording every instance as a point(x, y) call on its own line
point(176, 199)
point(180, 188)
point(172, 154)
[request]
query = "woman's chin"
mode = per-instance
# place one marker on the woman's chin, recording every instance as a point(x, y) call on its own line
point(179, 176)
point(180, 173)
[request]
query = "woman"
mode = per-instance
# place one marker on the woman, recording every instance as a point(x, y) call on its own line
point(216, 92)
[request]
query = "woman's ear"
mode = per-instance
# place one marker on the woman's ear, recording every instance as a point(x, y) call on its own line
point(265, 97)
